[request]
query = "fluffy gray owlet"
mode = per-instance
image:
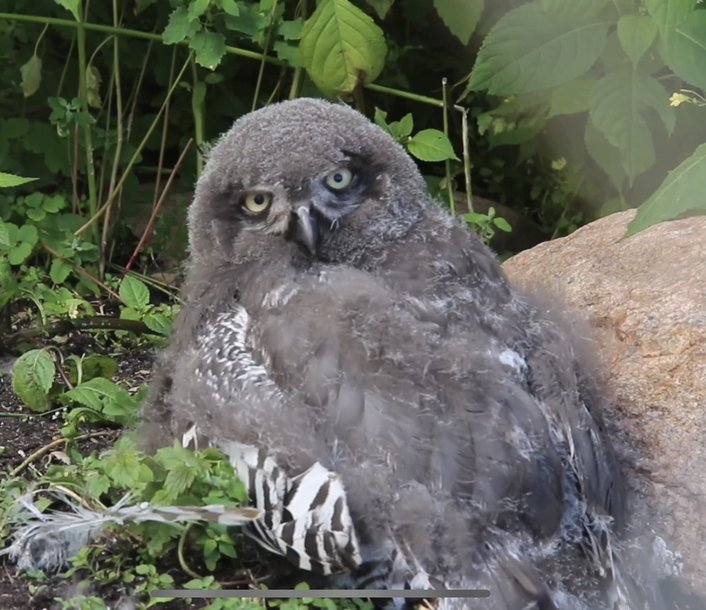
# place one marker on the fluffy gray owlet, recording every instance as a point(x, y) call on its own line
point(402, 414)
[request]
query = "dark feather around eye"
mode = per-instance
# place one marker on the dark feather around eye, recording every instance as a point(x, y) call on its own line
point(366, 167)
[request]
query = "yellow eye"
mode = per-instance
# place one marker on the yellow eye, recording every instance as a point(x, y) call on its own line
point(339, 179)
point(256, 203)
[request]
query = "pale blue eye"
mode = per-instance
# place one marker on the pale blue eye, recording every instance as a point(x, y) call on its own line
point(339, 179)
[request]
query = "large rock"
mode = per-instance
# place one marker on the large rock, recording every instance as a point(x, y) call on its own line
point(645, 297)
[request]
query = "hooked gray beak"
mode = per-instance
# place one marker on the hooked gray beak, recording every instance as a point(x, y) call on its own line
point(307, 230)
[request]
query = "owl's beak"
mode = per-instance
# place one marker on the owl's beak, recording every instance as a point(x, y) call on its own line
point(307, 230)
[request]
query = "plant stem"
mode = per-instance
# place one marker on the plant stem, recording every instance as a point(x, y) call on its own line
point(447, 163)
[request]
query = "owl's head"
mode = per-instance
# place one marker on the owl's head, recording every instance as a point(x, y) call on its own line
point(317, 175)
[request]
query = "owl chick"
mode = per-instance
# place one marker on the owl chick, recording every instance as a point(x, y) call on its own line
point(336, 317)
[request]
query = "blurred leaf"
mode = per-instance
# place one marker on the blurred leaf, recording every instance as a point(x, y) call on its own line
point(59, 271)
point(530, 50)
point(686, 49)
point(229, 7)
point(431, 145)
point(605, 155)
point(197, 8)
point(210, 47)
point(32, 378)
point(93, 86)
point(180, 27)
point(70, 5)
point(341, 46)
point(31, 73)
point(669, 13)
point(10, 180)
point(681, 193)
point(460, 16)
point(636, 34)
point(381, 7)
point(572, 97)
point(134, 293)
point(159, 323)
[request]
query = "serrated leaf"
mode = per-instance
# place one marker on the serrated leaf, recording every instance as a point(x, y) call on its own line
point(180, 27)
point(71, 5)
point(97, 484)
point(681, 193)
point(431, 145)
point(460, 16)
point(159, 323)
point(289, 53)
point(31, 73)
point(229, 7)
point(617, 110)
point(291, 30)
point(636, 34)
point(572, 97)
point(10, 180)
point(529, 50)
point(124, 465)
point(32, 378)
point(210, 47)
point(685, 49)
point(381, 7)
point(134, 293)
point(59, 270)
point(341, 46)
point(197, 8)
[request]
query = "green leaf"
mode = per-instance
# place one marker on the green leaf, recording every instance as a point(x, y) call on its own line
point(605, 155)
point(502, 224)
point(381, 7)
point(32, 378)
point(10, 180)
point(124, 465)
point(6, 240)
point(93, 393)
point(341, 46)
point(180, 27)
point(71, 5)
point(134, 293)
point(529, 50)
point(618, 111)
point(686, 49)
point(159, 323)
point(59, 270)
point(28, 234)
point(210, 47)
point(431, 145)
point(681, 193)
point(31, 73)
point(668, 14)
point(572, 97)
point(636, 34)
point(197, 8)
point(229, 7)
point(93, 85)
point(460, 16)
point(20, 253)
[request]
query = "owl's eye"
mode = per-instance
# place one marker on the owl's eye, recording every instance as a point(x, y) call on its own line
point(339, 179)
point(256, 203)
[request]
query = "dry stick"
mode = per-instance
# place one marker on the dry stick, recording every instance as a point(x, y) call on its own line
point(147, 233)
point(42, 451)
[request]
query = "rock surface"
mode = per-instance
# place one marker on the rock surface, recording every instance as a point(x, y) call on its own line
point(645, 297)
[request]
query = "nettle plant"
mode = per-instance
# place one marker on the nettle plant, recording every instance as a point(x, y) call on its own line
point(619, 66)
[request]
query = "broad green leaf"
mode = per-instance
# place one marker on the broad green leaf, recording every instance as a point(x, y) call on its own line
point(197, 8)
point(230, 7)
point(71, 5)
point(681, 193)
point(686, 49)
point(605, 155)
point(341, 46)
point(381, 7)
point(31, 73)
point(19, 253)
point(636, 34)
point(159, 323)
point(92, 393)
point(460, 16)
point(133, 292)
point(210, 47)
point(10, 180)
point(572, 97)
point(28, 234)
point(618, 111)
point(180, 27)
point(529, 50)
point(431, 145)
point(32, 378)
point(59, 271)
point(669, 13)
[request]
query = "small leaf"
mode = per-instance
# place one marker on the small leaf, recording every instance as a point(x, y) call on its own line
point(197, 8)
point(180, 27)
point(210, 47)
point(229, 7)
point(71, 5)
point(20, 253)
point(529, 50)
point(31, 73)
point(134, 293)
point(5, 240)
point(59, 270)
point(159, 323)
point(636, 34)
point(681, 193)
point(10, 180)
point(431, 145)
point(28, 234)
point(32, 378)
point(93, 84)
point(502, 224)
point(341, 46)
point(460, 16)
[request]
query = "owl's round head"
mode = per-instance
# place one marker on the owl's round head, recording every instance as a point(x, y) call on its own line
point(313, 173)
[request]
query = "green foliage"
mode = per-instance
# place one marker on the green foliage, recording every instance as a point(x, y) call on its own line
point(33, 376)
